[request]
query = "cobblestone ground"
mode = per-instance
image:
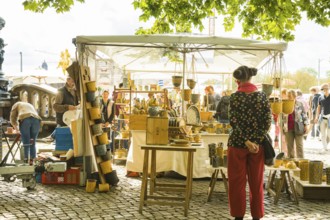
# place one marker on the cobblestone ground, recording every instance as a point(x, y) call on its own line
point(122, 202)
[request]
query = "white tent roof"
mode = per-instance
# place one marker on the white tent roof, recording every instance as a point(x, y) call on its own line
point(145, 53)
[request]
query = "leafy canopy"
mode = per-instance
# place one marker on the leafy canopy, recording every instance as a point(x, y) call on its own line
point(265, 19)
point(40, 6)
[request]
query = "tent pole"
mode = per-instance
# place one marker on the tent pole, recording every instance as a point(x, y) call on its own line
point(183, 79)
point(280, 98)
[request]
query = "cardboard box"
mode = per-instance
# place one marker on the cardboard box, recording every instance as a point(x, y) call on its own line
point(138, 122)
point(157, 130)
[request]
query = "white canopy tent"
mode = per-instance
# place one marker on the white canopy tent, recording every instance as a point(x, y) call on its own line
point(147, 53)
point(151, 53)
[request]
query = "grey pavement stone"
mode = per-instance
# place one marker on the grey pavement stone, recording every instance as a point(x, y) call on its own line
point(122, 202)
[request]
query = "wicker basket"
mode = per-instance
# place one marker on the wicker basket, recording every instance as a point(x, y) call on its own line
point(106, 167)
point(277, 82)
point(206, 116)
point(191, 83)
point(177, 80)
point(195, 98)
point(287, 106)
point(91, 86)
point(94, 113)
point(304, 170)
point(276, 107)
point(187, 94)
point(90, 185)
point(267, 88)
point(315, 172)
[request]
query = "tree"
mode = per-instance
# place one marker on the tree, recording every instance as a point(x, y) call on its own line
point(300, 80)
point(309, 70)
point(272, 19)
point(328, 74)
point(275, 19)
point(40, 6)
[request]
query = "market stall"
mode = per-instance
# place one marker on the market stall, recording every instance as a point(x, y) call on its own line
point(172, 54)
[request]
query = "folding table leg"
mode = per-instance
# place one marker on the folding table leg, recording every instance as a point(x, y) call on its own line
point(225, 181)
point(153, 172)
point(212, 184)
point(144, 185)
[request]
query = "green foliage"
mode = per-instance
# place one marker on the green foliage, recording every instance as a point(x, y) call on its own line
point(265, 19)
point(328, 74)
point(300, 80)
point(40, 6)
point(309, 70)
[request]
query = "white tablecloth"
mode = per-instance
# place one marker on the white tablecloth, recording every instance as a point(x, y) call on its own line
point(171, 160)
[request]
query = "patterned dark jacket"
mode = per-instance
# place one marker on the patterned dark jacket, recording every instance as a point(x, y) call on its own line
point(250, 118)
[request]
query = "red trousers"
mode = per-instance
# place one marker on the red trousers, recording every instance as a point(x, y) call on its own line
point(243, 167)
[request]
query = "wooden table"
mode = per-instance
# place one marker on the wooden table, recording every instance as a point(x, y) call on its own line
point(285, 181)
point(154, 186)
point(214, 179)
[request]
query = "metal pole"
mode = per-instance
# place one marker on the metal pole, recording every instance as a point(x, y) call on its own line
point(21, 63)
point(318, 71)
point(183, 79)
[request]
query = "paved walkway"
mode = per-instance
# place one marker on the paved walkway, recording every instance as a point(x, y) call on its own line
point(72, 202)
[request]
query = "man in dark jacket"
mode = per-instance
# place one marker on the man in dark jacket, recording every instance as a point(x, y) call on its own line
point(222, 111)
point(66, 99)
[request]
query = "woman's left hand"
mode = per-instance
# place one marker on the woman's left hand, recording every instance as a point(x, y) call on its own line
point(252, 147)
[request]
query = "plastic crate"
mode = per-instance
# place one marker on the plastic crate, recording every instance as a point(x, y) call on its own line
point(71, 177)
point(63, 139)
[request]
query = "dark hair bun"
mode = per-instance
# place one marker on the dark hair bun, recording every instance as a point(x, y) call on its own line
point(253, 71)
point(244, 73)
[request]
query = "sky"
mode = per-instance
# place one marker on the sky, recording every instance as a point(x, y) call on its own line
point(42, 37)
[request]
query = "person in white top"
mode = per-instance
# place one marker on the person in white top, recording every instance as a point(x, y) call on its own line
point(25, 120)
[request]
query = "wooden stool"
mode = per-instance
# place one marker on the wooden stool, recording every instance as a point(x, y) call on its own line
point(214, 178)
point(285, 181)
point(154, 187)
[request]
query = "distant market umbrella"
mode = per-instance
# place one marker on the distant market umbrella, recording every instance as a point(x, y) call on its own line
point(39, 76)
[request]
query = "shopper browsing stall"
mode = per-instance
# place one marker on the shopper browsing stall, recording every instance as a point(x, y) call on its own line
point(107, 108)
point(323, 114)
point(295, 127)
point(250, 118)
point(314, 102)
point(25, 119)
point(222, 111)
point(209, 99)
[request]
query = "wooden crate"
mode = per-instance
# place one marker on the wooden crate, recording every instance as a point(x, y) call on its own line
point(138, 122)
point(312, 191)
point(157, 130)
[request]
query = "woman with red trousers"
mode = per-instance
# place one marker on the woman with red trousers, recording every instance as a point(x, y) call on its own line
point(250, 118)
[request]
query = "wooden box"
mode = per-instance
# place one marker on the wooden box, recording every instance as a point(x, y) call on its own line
point(312, 191)
point(138, 122)
point(157, 130)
